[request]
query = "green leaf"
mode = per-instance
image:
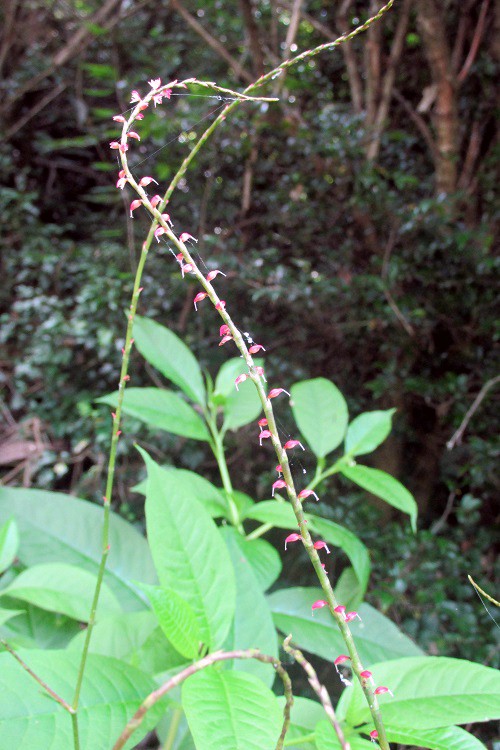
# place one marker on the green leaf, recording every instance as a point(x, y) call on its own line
point(326, 739)
point(9, 543)
point(376, 636)
point(161, 408)
point(61, 528)
point(165, 351)
point(157, 656)
point(8, 614)
point(58, 587)
point(188, 552)
point(224, 382)
point(119, 636)
point(366, 432)
point(385, 486)
point(321, 414)
point(431, 692)
point(39, 628)
point(252, 625)
point(348, 542)
point(348, 589)
point(111, 692)
point(240, 406)
point(264, 559)
point(212, 499)
point(230, 711)
point(448, 738)
point(177, 620)
point(278, 514)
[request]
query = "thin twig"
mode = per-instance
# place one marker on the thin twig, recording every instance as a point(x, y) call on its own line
point(457, 436)
point(476, 41)
point(38, 679)
point(208, 661)
point(319, 689)
point(490, 598)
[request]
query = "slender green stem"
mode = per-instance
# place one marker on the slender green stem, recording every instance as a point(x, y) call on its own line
point(259, 531)
point(300, 740)
point(217, 445)
point(173, 728)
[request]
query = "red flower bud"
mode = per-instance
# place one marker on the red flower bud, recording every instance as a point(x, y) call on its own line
point(321, 545)
point(158, 232)
point(276, 392)
point(380, 690)
point(133, 134)
point(220, 305)
point(212, 274)
point(185, 236)
point(352, 616)
point(198, 298)
point(262, 422)
point(366, 675)
point(340, 610)
point(292, 538)
point(340, 660)
point(291, 444)
point(319, 604)
point(135, 204)
point(373, 735)
point(144, 181)
point(119, 118)
point(263, 435)
point(225, 339)
point(306, 493)
point(240, 379)
point(279, 484)
point(155, 200)
point(224, 330)
point(279, 469)
point(256, 348)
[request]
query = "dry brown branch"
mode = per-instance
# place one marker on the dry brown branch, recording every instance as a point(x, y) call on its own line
point(457, 436)
point(476, 41)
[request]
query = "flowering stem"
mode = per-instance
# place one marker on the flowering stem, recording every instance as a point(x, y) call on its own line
point(208, 661)
point(220, 456)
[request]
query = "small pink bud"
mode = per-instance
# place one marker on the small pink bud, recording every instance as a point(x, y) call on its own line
point(262, 422)
point(133, 134)
point(306, 493)
point(373, 735)
point(121, 183)
point(122, 173)
point(167, 219)
point(224, 330)
point(198, 298)
point(155, 200)
point(340, 610)
point(260, 372)
point(276, 392)
point(319, 604)
point(220, 305)
point(279, 484)
point(321, 545)
point(239, 379)
point(187, 268)
point(114, 144)
point(263, 435)
point(212, 274)
point(135, 204)
point(139, 116)
point(340, 660)
point(225, 339)
point(256, 348)
point(366, 675)
point(352, 616)
point(158, 232)
point(135, 97)
point(279, 469)
point(291, 444)
point(293, 538)
point(144, 181)
point(380, 690)
point(185, 236)
point(155, 83)
point(119, 118)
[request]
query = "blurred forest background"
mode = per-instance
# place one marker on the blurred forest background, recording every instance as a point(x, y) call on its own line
point(355, 220)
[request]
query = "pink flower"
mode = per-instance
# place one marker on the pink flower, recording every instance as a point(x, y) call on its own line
point(121, 182)
point(373, 735)
point(122, 173)
point(240, 379)
point(276, 392)
point(256, 348)
point(340, 660)
point(155, 83)
point(224, 330)
point(135, 97)
point(133, 134)
point(306, 493)
point(291, 444)
point(139, 116)
point(114, 144)
point(321, 545)
point(158, 232)
point(212, 274)
point(293, 538)
point(135, 204)
point(279, 484)
point(380, 690)
point(187, 268)
point(198, 298)
point(185, 236)
point(260, 372)
point(155, 200)
point(225, 339)
point(119, 118)
point(366, 675)
point(167, 219)
point(147, 181)
point(319, 604)
point(220, 304)
point(352, 616)
point(340, 610)
point(262, 422)
point(263, 435)
point(279, 469)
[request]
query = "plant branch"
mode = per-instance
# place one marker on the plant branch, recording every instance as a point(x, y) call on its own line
point(457, 436)
point(208, 661)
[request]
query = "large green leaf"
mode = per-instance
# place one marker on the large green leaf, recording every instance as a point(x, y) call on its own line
point(210, 496)
point(8, 614)
point(60, 528)
point(165, 351)
point(321, 414)
point(348, 542)
point(63, 588)
point(161, 408)
point(38, 628)
point(376, 636)
point(9, 543)
point(231, 711)
point(326, 739)
point(431, 692)
point(189, 554)
point(120, 636)
point(252, 625)
point(279, 514)
point(111, 692)
point(176, 618)
point(385, 486)
point(448, 738)
point(240, 406)
point(264, 559)
point(366, 432)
